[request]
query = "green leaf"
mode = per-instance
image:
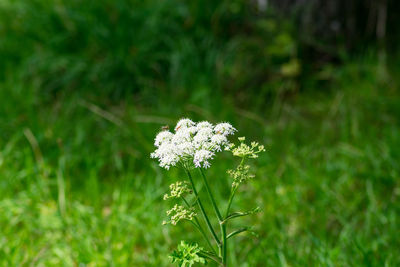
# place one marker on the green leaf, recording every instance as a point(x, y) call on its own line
point(241, 230)
point(240, 214)
point(187, 254)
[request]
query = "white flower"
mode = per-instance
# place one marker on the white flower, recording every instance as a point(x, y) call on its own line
point(207, 132)
point(181, 136)
point(192, 144)
point(204, 124)
point(224, 128)
point(218, 141)
point(166, 155)
point(201, 158)
point(191, 130)
point(164, 136)
point(169, 160)
point(185, 149)
point(202, 136)
point(184, 123)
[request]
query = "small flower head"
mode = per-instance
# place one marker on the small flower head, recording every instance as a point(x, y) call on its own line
point(185, 150)
point(181, 136)
point(184, 123)
point(202, 157)
point(246, 151)
point(204, 124)
point(166, 155)
point(240, 175)
point(178, 189)
point(202, 137)
point(164, 136)
point(224, 128)
point(178, 213)
point(192, 130)
point(218, 141)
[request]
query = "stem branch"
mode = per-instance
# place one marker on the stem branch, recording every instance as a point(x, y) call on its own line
point(202, 210)
point(230, 200)
point(197, 224)
point(220, 219)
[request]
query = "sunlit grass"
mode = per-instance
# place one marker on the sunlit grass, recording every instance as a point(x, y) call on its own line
point(77, 185)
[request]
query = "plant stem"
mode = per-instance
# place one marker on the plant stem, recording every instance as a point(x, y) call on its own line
point(211, 257)
point(230, 200)
point(197, 224)
point(233, 192)
point(220, 219)
point(202, 210)
point(211, 196)
point(224, 245)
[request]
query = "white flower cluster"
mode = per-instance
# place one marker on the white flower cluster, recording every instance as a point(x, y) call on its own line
point(192, 144)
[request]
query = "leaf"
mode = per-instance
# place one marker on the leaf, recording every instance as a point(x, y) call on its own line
point(241, 230)
point(187, 254)
point(240, 214)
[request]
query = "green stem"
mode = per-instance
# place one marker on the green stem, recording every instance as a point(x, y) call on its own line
point(220, 219)
point(184, 200)
point(241, 230)
point(211, 196)
point(202, 210)
point(230, 200)
point(224, 245)
point(233, 192)
point(211, 257)
point(198, 226)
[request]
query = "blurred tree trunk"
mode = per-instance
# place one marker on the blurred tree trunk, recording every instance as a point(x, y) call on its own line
point(342, 22)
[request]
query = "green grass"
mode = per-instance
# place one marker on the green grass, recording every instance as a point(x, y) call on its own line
point(77, 186)
point(123, 47)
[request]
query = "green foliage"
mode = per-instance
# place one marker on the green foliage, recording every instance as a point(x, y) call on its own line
point(187, 254)
point(179, 49)
point(76, 186)
point(329, 180)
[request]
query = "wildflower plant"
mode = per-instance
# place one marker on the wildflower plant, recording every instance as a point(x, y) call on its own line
point(192, 146)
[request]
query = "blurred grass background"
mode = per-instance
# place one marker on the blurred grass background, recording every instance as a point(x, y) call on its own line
point(85, 86)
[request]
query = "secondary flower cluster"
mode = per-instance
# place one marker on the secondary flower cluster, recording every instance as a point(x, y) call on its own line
point(192, 144)
point(246, 151)
point(178, 213)
point(240, 175)
point(178, 189)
